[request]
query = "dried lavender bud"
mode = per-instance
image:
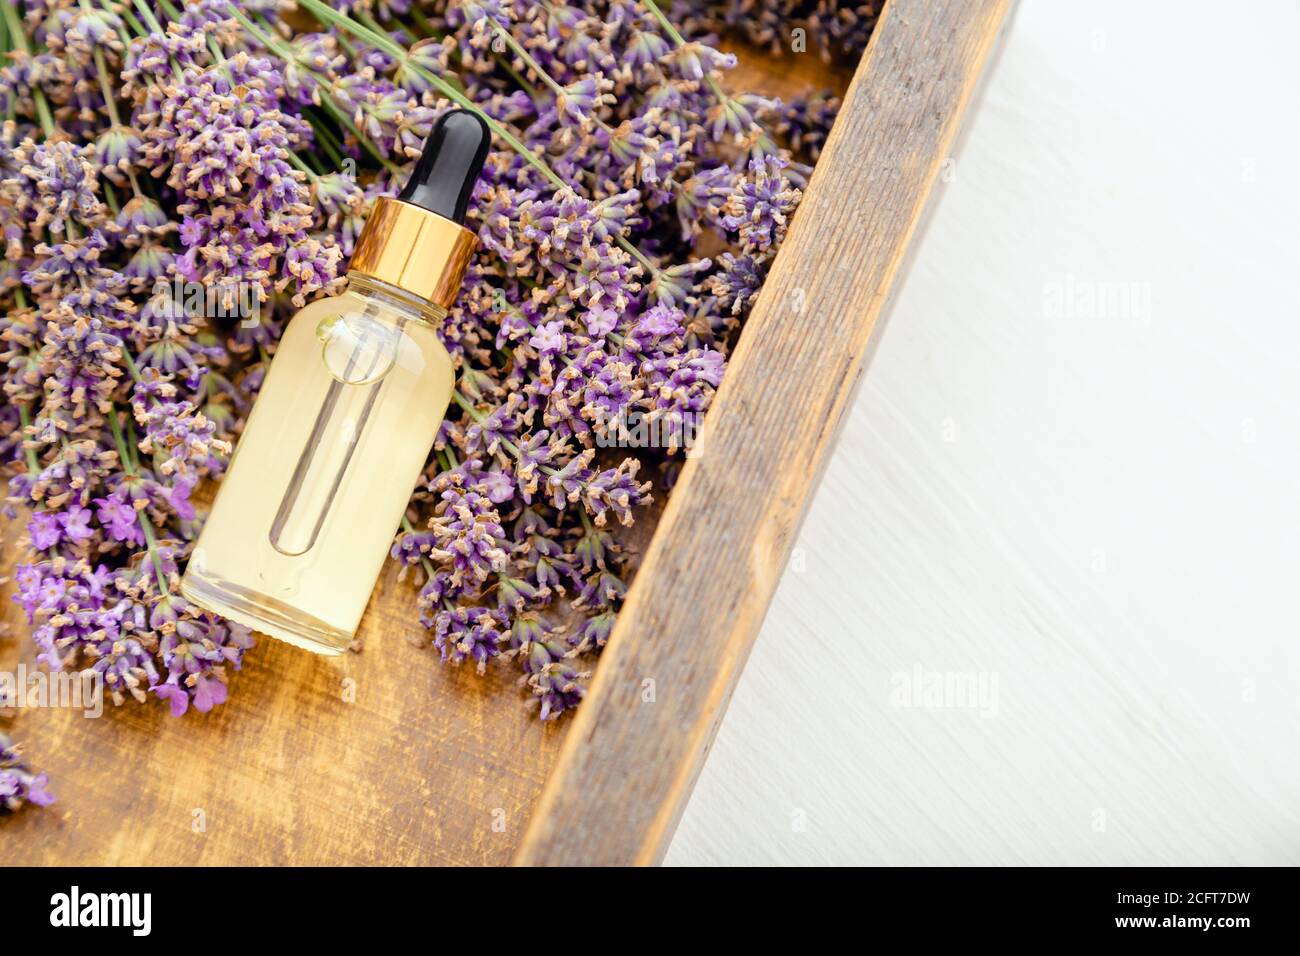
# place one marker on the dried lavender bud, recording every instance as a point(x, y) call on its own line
point(18, 785)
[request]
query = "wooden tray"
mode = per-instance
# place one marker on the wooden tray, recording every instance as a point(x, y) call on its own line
point(387, 756)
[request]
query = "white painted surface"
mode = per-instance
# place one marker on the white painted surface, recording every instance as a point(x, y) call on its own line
point(1097, 508)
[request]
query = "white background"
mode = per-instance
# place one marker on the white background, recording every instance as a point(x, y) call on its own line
point(1094, 503)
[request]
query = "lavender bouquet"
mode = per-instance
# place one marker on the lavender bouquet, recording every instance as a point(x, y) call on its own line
point(627, 216)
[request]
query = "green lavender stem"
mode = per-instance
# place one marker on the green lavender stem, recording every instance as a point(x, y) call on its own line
point(285, 52)
point(151, 540)
point(480, 418)
point(25, 416)
point(146, 526)
point(537, 68)
point(129, 463)
point(18, 37)
point(130, 18)
point(327, 140)
point(147, 15)
point(681, 42)
point(519, 51)
point(110, 102)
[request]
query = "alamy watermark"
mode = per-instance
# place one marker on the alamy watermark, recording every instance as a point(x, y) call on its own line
point(133, 911)
point(1080, 297)
point(637, 429)
point(76, 690)
point(220, 300)
point(970, 690)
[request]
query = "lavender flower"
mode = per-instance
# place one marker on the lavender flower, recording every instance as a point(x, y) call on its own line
point(18, 785)
point(468, 633)
point(195, 648)
point(760, 208)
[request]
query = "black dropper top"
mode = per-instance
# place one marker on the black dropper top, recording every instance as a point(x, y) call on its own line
point(453, 155)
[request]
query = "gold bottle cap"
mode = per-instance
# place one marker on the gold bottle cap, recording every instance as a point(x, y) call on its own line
point(414, 249)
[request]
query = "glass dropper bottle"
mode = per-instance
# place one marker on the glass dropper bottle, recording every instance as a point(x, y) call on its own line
point(346, 417)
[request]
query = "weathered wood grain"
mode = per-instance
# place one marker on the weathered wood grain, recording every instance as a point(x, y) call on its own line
point(631, 758)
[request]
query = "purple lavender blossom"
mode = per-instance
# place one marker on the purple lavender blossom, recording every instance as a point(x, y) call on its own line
point(468, 633)
point(761, 206)
point(195, 648)
point(18, 785)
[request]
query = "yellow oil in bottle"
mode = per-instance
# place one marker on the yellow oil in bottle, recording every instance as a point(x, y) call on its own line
point(346, 417)
point(331, 452)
